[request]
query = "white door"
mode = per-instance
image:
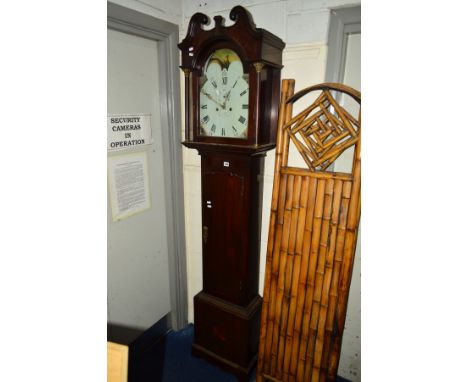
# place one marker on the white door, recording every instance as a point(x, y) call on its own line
point(138, 270)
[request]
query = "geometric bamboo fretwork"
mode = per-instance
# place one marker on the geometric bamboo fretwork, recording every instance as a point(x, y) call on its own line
point(323, 130)
point(311, 240)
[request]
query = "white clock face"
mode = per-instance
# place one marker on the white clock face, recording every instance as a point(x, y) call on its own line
point(224, 96)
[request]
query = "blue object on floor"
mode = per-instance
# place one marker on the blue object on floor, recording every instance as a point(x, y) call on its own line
point(171, 360)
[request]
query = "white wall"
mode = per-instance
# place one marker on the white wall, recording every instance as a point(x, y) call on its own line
point(170, 11)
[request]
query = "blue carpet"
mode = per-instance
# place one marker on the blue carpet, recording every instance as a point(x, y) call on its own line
point(180, 365)
point(171, 360)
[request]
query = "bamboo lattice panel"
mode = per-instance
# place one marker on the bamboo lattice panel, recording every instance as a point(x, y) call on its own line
point(312, 240)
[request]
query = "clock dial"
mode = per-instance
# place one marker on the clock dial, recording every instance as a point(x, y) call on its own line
point(224, 96)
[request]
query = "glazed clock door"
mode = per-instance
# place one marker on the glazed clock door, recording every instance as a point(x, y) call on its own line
point(223, 239)
point(224, 96)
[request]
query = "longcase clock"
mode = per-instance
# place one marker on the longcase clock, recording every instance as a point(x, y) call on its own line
point(232, 84)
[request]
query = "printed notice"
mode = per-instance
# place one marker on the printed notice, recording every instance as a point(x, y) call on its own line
point(128, 184)
point(127, 131)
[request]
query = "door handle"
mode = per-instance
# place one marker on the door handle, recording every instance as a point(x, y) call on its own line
point(205, 234)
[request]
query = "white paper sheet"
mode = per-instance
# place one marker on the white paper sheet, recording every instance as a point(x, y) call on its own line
point(128, 131)
point(128, 184)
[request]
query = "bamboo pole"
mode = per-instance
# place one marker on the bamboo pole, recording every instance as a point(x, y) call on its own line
point(289, 244)
point(331, 326)
point(352, 131)
point(336, 123)
point(288, 115)
point(316, 174)
point(283, 255)
point(303, 151)
point(298, 257)
point(321, 137)
point(345, 275)
point(321, 346)
point(339, 111)
point(287, 89)
point(340, 148)
point(309, 144)
point(329, 161)
point(333, 268)
point(275, 274)
point(306, 248)
point(315, 337)
point(299, 118)
point(283, 144)
point(306, 122)
point(350, 118)
point(316, 229)
point(356, 95)
point(338, 138)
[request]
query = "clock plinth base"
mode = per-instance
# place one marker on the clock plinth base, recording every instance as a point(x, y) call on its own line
point(227, 334)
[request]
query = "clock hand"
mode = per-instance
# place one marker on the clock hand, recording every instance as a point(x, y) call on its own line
point(228, 94)
point(211, 98)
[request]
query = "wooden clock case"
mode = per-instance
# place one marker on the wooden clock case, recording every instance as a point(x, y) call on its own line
point(227, 310)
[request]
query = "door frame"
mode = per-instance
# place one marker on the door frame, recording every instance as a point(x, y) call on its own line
point(343, 21)
point(166, 34)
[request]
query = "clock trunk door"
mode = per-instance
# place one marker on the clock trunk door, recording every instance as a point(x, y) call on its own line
point(224, 239)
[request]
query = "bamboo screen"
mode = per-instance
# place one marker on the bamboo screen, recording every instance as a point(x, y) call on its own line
point(312, 239)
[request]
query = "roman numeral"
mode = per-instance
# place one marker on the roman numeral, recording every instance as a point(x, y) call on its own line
point(204, 106)
point(234, 130)
point(223, 132)
point(214, 84)
point(224, 80)
point(206, 118)
point(245, 91)
point(245, 106)
point(213, 128)
point(241, 119)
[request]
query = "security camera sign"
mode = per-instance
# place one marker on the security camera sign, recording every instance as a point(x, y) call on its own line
point(127, 131)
